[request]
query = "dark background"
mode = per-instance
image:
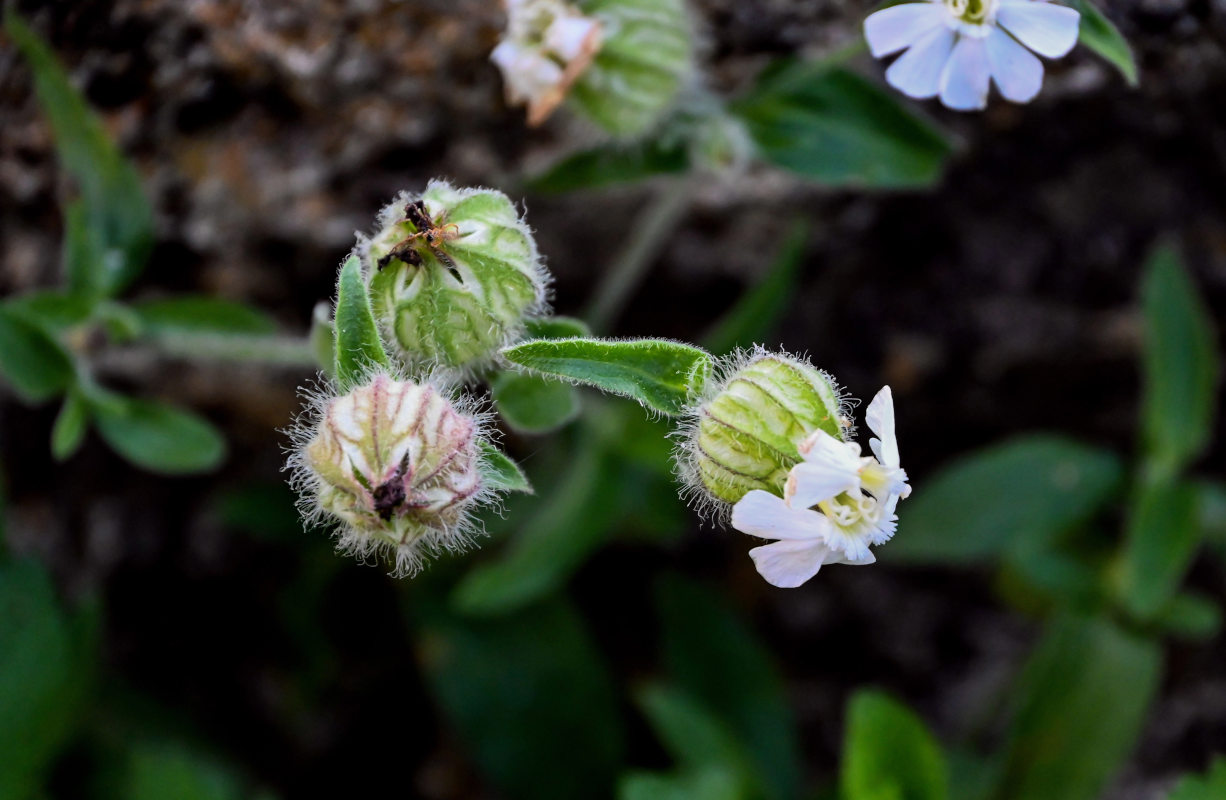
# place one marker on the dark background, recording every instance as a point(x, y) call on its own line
point(1004, 301)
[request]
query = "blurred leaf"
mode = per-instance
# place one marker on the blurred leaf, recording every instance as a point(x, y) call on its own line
point(1082, 699)
point(1035, 582)
point(697, 739)
point(1190, 616)
point(557, 328)
point(161, 771)
point(759, 309)
point(612, 164)
point(1100, 35)
point(827, 123)
point(201, 314)
point(972, 776)
point(715, 659)
point(32, 362)
point(501, 472)
point(358, 347)
point(1210, 786)
point(70, 426)
point(1163, 535)
point(533, 405)
point(660, 374)
point(889, 753)
point(322, 338)
point(110, 230)
point(158, 437)
point(1181, 364)
point(46, 671)
point(264, 510)
point(710, 783)
point(51, 309)
point(549, 545)
point(1018, 495)
point(528, 694)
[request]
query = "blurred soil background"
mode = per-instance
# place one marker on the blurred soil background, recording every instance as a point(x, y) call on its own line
point(268, 132)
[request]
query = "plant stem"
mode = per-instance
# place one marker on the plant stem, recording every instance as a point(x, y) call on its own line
point(286, 351)
point(648, 235)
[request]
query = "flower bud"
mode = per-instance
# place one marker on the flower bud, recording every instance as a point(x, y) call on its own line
point(396, 464)
point(453, 276)
point(746, 433)
point(622, 62)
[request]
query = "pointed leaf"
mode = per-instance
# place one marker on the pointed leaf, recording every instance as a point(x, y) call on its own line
point(110, 232)
point(70, 426)
point(660, 374)
point(1100, 35)
point(358, 347)
point(501, 472)
point(826, 123)
point(158, 437)
point(32, 362)
point(612, 164)
point(1163, 535)
point(1181, 364)
point(888, 752)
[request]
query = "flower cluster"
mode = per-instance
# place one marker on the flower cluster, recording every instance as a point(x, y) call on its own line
point(835, 505)
point(955, 48)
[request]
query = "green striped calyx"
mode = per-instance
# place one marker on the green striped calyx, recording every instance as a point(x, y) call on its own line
point(646, 55)
point(453, 276)
point(745, 433)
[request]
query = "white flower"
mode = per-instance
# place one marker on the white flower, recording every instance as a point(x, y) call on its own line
point(954, 47)
point(547, 46)
point(836, 503)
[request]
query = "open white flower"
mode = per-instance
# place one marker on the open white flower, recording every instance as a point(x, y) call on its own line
point(836, 503)
point(547, 46)
point(955, 47)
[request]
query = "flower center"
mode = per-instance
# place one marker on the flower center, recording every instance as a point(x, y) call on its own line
point(850, 512)
point(974, 12)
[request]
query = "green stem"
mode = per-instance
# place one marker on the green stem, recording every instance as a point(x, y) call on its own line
point(288, 351)
point(648, 235)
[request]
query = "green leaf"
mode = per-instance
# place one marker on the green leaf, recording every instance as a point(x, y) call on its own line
point(158, 771)
point(660, 374)
point(32, 362)
point(612, 164)
point(1210, 786)
point(1015, 496)
point(1100, 35)
point(53, 310)
point(557, 328)
point(826, 123)
point(110, 231)
point(758, 310)
point(1082, 700)
point(715, 659)
point(358, 347)
point(158, 437)
point(549, 545)
point(1190, 616)
point(501, 472)
point(710, 783)
point(201, 314)
point(1163, 534)
point(889, 753)
point(70, 426)
point(1180, 362)
point(696, 738)
point(528, 695)
point(46, 673)
point(534, 405)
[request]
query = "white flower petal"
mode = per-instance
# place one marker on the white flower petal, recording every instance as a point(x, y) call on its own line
point(917, 72)
point(892, 29)
point(809, 483)
point(1016, 71)
point(880, 418)
point(853, 562)
point(964, 83)
point(765, 515)
point(1046, 28)
point(571, 37)
point(789, 564)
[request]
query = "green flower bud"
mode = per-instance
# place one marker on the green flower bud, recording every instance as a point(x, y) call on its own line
point(453, 276)
point(646, 55)
point(745, 433)
point(396, 465)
